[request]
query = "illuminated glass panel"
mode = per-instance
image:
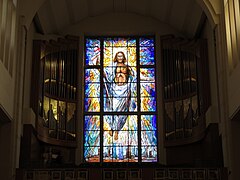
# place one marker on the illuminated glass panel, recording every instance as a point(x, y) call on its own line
point(148, 122)
point(147, 74)
point(92, 52)
point(120, 137)
point(92, 104)
point(119, 42)
point(132, 57)
point(92, 154)
point(147, 89)
point(146, 41)
point(92, 123)
point(92, 89)
point(92, 75)
point(132, 42)
point(147, 55)
point(148, 104)
point(120, 90)
point(149, 153)
point(148, 138)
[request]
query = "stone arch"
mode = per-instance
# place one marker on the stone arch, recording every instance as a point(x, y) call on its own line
point(28, 9)
point(212, 9)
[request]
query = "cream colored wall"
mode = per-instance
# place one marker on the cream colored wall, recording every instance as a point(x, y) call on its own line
point(7, 55)
point(28, 9)
point(234, 90)
point(212, 114)
point(119, 24)
point(28, 114)
point(6, 90)
point(231, 13)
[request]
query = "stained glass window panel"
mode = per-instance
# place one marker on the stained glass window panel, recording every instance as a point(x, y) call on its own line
point(108, 55)
point(120, 103)
point(147, 56)
point(119, 131)
point(93, 56)
point(146, 41)
point(132, 123)
point(131, 55)
point(148, 138)
point(107, 138)
point(92, 138)
point(108, 42)
point(119, 42)
point(147, 89)
point(121, 138)
point(121, 89)
point(92, 75)
point(92, 42)
point(133, 138)
point(92, 123)
point(148, 122)
point(149, 153)
point(92, 90)
point(148, 104)
point(147, 74)
point(92, 104)
point(132, 42)
point(92, 154)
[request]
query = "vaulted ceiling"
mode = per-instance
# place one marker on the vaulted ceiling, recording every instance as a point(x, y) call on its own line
point(185, 16)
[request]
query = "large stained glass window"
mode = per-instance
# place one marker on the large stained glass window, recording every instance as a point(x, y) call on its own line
point(120, 123)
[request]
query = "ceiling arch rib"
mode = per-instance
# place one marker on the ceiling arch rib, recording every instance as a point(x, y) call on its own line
point(181, 15)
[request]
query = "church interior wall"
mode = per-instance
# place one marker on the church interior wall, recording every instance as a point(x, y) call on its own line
point(212, 115)
point(120, 24)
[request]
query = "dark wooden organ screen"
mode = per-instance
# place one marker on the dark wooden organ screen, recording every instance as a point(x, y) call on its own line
point(186, 89)
point(56, 68)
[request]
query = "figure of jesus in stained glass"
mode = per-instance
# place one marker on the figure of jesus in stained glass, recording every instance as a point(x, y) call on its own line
point(118, 86)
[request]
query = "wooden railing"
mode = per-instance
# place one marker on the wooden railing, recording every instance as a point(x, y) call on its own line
point(124, 174)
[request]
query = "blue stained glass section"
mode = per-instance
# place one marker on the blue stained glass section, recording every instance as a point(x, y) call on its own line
point(147, 56)
point(147, 89)
point(148, 104)
point(146, 42)
point(91, 152)
point(147, 74)
point(93, 56)
point(133, 138)
point(132, 42)
point(148, 138)
point(148, 122)
point(92, 90)
point(92, 138)
point(92, 123)
point(149, 154)
point(92, 104)
point(92, 42)
point(92, 75)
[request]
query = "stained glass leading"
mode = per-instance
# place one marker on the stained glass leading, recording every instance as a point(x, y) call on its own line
point(121, 76)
